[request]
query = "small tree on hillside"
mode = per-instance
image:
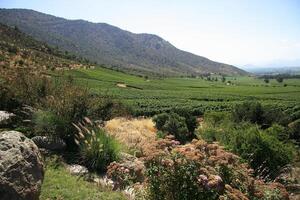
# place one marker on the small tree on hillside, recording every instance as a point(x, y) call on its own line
point(279, 79)
point(266, 80)
point(223, 79)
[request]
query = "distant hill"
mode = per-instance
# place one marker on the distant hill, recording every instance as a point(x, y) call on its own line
point(112, 46)
point(292, 70)
point(18, 50)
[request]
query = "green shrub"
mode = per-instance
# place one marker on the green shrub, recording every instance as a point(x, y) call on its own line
point(97, 149)
point(215, 118)
point(8, 101)
point(273, 115)
point(251, 111)
point(59, 102)
point(279, 132)
point(265, 153)
point(254, 112)
point(272, 195)
point(160, 120)
point(295, 130)
point(173, 124)
point(47, 123)
point(190, 120)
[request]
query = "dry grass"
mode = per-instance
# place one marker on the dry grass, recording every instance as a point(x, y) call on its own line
point(134, 133)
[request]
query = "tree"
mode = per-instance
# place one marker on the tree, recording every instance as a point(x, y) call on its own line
point(266, 80)
point(223, 79)
point(279, 79)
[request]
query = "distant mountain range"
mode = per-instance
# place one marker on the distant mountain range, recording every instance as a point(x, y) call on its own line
point(272, 70)
point(112, 46)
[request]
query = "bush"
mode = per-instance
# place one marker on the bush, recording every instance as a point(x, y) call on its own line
point(8, 101)
point(47, 123)
point(262, 149)
point(59, 102)
point(272, 115)
point(200, 170)
point(176, 178)
point(97, 149)
point(254, 112)
point(190, 120)
point(160, 120)
point(173, 124)
point(279, 132)
point(295, 130)
point(248, 111)
point(215, 118)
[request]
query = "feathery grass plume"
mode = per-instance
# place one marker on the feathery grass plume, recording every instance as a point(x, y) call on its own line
point(97, 149)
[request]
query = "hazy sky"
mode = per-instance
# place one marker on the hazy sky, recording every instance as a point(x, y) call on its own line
point(237, 32)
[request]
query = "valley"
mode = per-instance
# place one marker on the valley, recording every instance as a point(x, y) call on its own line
point(90, 111)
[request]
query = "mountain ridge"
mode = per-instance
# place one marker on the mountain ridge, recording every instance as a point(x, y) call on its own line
point(112, 46)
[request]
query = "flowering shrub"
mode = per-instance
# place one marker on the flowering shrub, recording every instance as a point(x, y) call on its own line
point(176, 177)
point(197, 170)
point(201, 171)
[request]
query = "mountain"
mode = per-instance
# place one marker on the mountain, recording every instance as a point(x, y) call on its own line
point(292, 70)
point(18, 50)
point(112, 46)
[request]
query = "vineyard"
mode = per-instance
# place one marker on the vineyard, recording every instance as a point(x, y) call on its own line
point(151, 96)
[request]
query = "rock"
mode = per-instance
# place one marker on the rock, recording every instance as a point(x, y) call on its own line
point(49, 143)
point(127, 168)
point(6, 118)
point(78, 170)
point(290, 178)
point(294, 188)
point(21, 167)
point(127, 157)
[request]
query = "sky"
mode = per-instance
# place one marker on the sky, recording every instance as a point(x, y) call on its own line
point(238, 32)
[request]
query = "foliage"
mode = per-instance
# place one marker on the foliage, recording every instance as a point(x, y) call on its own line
point(173, 124)
point(97, 149)
point(126, 174)
point(295, 130)
point(262, 149)
point(58, 102)
point(278, 131)
point(200, 170)
point(190, 120)
point(197, 96)
point(216, 118)
point(176, 178)
point(7, 99)
point(272, 195)
point(47, 123)
point(248, 111)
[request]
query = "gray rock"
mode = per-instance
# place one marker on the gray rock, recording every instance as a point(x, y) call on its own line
point(78, 170)
point(49, 143)
point(21, 167)
point(6, 118)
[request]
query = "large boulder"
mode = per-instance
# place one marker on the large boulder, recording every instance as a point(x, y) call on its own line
point(6, 118)
point(21, 167)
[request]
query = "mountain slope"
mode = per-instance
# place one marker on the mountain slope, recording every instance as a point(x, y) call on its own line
point(113, 46)
point(18, 50)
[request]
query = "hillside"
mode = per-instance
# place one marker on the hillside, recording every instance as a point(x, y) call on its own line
point(20, 50)
point(112, 46)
